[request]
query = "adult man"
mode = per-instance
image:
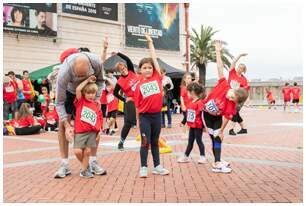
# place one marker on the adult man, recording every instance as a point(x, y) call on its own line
point(42, 27)
point(75, 69)
point(168, 86)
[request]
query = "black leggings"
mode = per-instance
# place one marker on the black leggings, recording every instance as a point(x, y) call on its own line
point(129, 119)
point(237, 118)
point(184, 118)
point(51, 126)
point(28, 130)
point(213, 125)
point(195, 134)
point(150, 126)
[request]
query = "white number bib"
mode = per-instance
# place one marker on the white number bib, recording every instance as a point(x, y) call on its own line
point(89, 116)
point(211, 107)
point(191, 115)
point(110, 98)
point(9, 89)
point(234, 84)
point(149, 89)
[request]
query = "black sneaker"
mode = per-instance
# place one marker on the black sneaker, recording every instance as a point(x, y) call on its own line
point(231, 132)
point(120, 146)
point(112, 132)
point(243, 131)
point(86, 174)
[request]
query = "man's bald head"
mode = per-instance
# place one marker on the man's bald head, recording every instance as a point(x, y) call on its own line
point(81, 65)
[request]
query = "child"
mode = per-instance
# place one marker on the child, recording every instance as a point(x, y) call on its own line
point(184, 99)
point(112, 107)
point(194, 121)
point(43, 105)
point(148, 101)
point(286, 90)
point(270, 98)
point(296, 92)
point(221, 102)
point(87, 125)
point(51, 117)
point(25, 123)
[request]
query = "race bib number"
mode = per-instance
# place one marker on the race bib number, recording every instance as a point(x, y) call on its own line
point(149, 89)
point(89, 116)
point(211, 107)
point(234, 84)
point(191, 115)
point(9, 89)
point(110, 98)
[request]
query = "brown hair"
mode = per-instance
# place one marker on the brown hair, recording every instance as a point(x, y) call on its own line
point(183, 82)
point(241, 94)
point(90, 88)
point(146, 60)
point(197, 88)
point(24, 111)
point(243, 67)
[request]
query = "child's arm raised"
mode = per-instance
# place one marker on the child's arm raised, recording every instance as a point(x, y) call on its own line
point(220, 66)
point(78, 92)
point(104, 50)
point(237, 59)
point(153, 53)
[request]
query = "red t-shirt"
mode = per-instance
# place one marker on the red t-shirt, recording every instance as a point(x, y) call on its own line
point(296, 91)
point(103, 97)
point(43, 106)
point(128, 84)
point(9, 92)
point(270, 96)
point(88, 116)
point(185, 96)
point(148, 94)
point(25, 121)
point(237, 81)
point(194, 110)
point(112, 102)
point(26, 88)
point(51, 116)
point(286, 93)
point(216, 102)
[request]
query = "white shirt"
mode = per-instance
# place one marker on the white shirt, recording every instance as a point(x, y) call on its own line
point(167, 80)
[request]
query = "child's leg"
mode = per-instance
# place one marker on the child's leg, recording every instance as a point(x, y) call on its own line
point(111, 122)
point(94, 150)
point(198, 135)
point(85, 161)
point(145, 131)
point(190, 141)
point(79, 154)
point(208, 122)
point(155, 132)
point(217, 140)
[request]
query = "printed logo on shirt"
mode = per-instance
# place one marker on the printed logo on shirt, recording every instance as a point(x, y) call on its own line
point(9, 89)
point(191, 115)
point(234, 84)
point(110, 98)
point(89, 116)
point(211, 107)
point(134, 85)
point(149, 89)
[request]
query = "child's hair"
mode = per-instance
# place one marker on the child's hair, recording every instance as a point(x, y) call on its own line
point(195, 87)
point(286, 84)
point(162, 70)
point(90, 88)
point(146, 60)
point(242, 94)
point(243, 67)
point(120, 64)
point(294, 84)
point(183, 82)
point(24, 110)
point(44, 88)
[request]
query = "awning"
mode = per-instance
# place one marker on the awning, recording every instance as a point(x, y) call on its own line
point(42, 72)
point(110, 63)
point(171, 71)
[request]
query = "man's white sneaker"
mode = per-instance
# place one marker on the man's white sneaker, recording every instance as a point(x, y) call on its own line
point(202, 160)
point(159, 170)
point(183, 159)
point(220, 168)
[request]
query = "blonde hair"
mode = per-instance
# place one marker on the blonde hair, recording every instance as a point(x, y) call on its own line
point(90, 88)
point(183, 82)
point(24, 111)
point(120, 64)
point(244, 68)
point(241, 94)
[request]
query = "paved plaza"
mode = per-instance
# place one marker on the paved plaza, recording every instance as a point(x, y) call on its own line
point(267, 166)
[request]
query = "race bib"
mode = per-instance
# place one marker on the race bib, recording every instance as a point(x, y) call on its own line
point(191, 115)
point(110, 98)
point(234, 84)
point(89, 116)
point(9, 89)
point(149, 89)
point(211, 107)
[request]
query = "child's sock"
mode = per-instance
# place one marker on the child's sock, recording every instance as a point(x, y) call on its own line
point(65, 161)
point(92, 159)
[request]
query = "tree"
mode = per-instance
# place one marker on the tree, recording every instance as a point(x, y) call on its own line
point(202, 51)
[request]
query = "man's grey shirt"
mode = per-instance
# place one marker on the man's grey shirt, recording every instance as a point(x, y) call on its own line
point(68, 81)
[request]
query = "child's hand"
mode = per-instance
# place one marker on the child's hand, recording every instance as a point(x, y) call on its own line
point(149, 39)
point(92, 79)
point(218, 45)
point(221, 135)
point(105, 43)
point(98, 137)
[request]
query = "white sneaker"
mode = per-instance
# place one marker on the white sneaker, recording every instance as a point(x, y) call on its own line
point(183, 159)
point(143, 172)
point(159, 170)
point(202, 160)
point(220, 168)
point(225, 163)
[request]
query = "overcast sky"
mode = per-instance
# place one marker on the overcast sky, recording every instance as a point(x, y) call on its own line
point(271, 33)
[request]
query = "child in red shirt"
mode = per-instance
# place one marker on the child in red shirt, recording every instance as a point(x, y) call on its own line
point(270, 98)
point(43, 105)
point(9, 97)
point(112, 107)
point(51, 117)
point(148, 101)
point(220, 102)
point(296, 92)
point(286, 90)
point(194, 121)
point(184, 99)
point(87, 125)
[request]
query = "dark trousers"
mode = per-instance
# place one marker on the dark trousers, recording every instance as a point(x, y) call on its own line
point(129, 119)
point(237, 118)
point(51, 126)
point(149, 129)
point(28, 130)
point(168, 115)
point(195, 134)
